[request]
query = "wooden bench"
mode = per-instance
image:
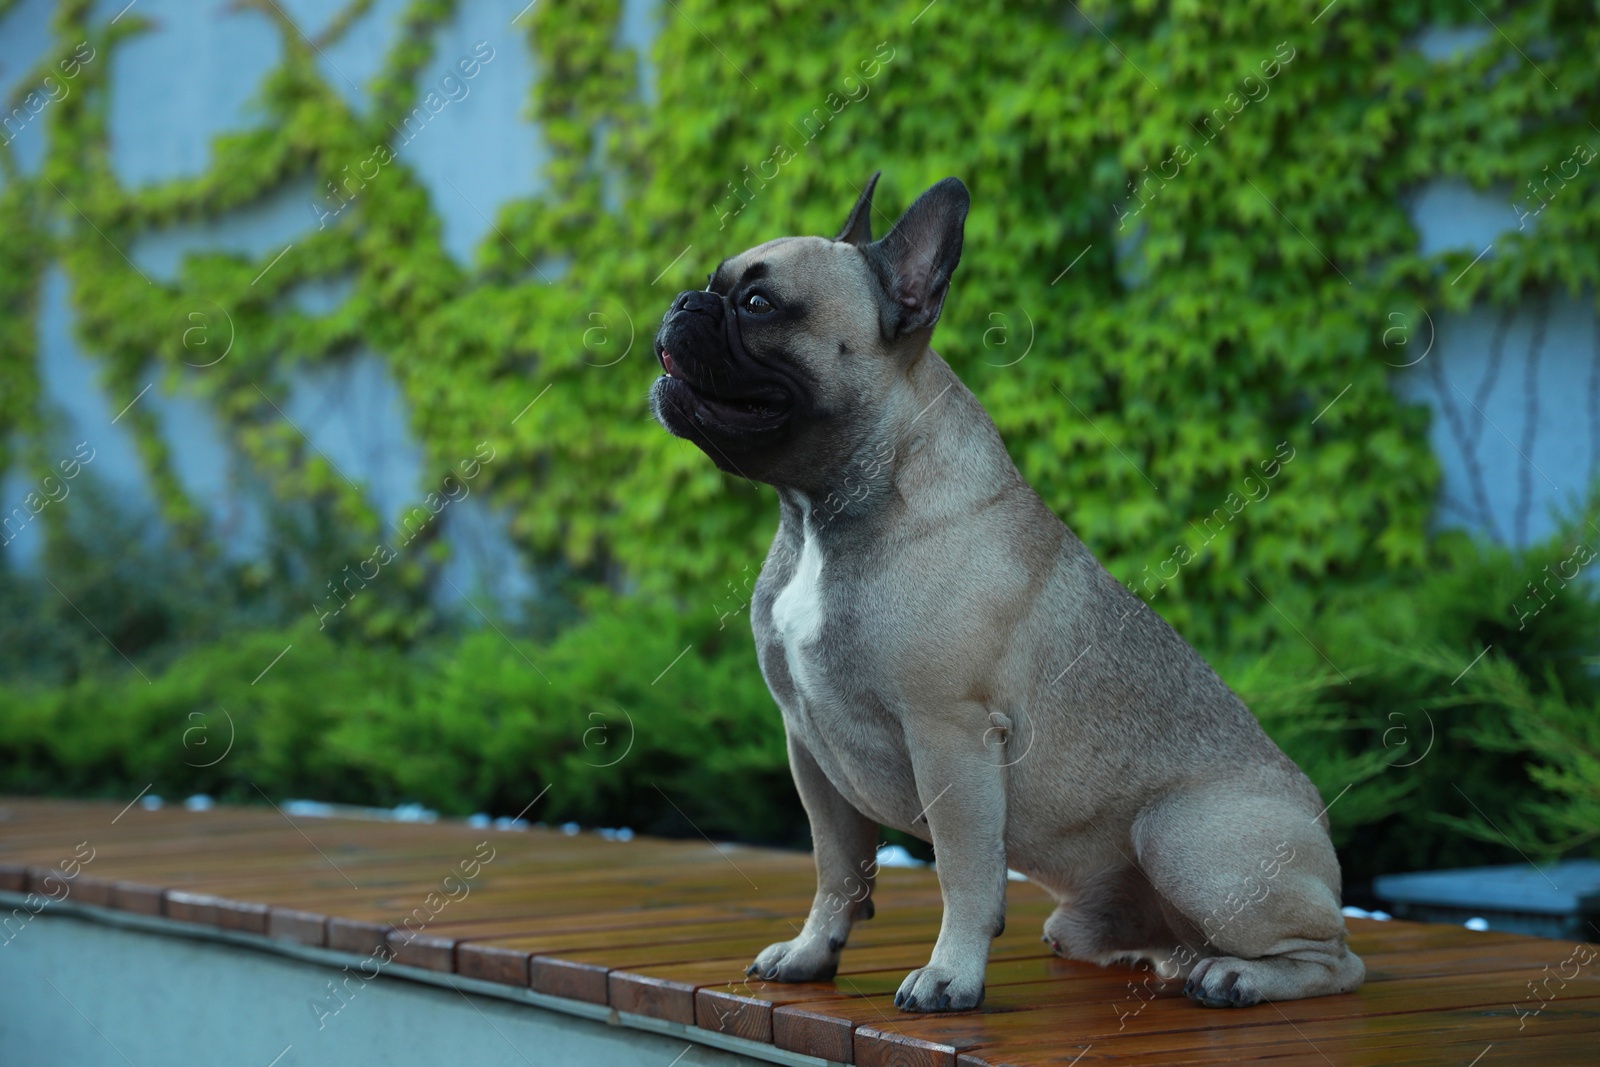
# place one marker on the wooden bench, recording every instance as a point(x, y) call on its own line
point(661, 930)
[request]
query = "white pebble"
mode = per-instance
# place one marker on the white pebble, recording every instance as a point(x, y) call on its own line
point(897, 856)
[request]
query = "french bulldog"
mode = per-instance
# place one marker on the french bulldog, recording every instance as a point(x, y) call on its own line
point(950, 660)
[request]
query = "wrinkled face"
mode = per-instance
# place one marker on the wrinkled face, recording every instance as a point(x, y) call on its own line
point(775, 368)
point(788, 361)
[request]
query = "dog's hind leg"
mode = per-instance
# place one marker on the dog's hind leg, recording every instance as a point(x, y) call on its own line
point(1257, 876)
point(1117, 917)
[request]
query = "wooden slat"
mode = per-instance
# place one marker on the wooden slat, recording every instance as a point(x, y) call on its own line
point(1012, 1015)
point(1382, 1040)
point(498, 956)
point(745, 1007)
point(665, 929)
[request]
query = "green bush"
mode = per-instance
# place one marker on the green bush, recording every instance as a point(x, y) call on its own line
point(635, 715)
point(460, 725)
point(1381, 694)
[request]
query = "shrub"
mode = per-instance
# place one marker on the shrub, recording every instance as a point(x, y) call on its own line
point(637, 716)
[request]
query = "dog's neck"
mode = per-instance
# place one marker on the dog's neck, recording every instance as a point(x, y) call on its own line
point(932, 433)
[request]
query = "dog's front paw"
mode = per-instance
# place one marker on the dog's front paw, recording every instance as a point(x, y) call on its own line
point(936, 988)
point(801, 960)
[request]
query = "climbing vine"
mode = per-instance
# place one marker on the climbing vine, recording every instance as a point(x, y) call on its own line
point(1179, 270)
point(1228, 187)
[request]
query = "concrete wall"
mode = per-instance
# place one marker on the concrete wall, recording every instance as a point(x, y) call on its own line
point(95, 995)
point(1515, 395)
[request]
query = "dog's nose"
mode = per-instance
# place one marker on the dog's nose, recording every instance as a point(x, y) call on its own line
point(698, 300)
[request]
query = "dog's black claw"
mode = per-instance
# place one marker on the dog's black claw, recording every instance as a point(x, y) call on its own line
point(748, 971)
point(899, 1000)
point(944, 1002)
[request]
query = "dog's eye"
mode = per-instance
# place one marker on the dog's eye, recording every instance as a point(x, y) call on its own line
point(757, 304)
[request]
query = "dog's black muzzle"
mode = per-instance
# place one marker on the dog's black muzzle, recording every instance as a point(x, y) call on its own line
point(693, 335)
point(711, 385)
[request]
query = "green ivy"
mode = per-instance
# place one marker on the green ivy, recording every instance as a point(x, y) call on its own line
point(1251, 289)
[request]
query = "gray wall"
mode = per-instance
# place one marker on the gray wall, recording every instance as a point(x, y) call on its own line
point(1515, 396)
point(93, 995)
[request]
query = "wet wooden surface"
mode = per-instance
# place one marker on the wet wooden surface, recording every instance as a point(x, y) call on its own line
point(666, 928)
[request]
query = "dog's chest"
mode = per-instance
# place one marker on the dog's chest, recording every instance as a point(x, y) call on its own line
point(797, 613)
point(815, 631)
point(833, 699)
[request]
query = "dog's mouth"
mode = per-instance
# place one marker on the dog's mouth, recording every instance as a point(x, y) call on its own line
point(757, 411)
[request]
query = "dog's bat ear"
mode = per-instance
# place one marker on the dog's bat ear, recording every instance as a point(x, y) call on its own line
point(918, 256)
point(858, 227)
